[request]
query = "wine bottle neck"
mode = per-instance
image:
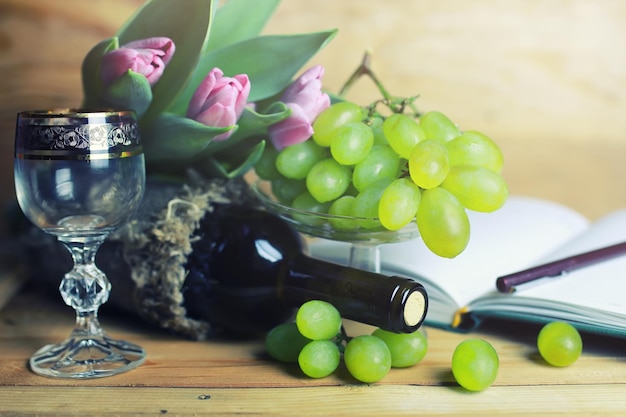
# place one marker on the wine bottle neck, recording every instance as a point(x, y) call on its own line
point(393, 303)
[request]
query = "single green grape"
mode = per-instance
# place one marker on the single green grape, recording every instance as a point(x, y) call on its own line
point(286, 190)
point(382, 162)
point(318, 320)
point(477, 188)
point(399, 203)
point(367, 358)
point(438, 126)
point(406, 349)
point(319, 358)
point(351, 143)
point(475, 148)
point(366, 204)
point(284, 342)
point(332, 118)
point(265, 167)
point(342, 208)
point(296, 161)
point(428, 163)
point(475, 364)
point(559, 343)
point(443, 223)
point(328, 180)
point(402, 133)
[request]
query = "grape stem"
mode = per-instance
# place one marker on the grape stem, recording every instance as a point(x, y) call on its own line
point(365, 69)
point(342, 339)
point(396, 105)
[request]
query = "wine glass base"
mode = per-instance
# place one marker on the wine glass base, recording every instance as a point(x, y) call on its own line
point(91, 357)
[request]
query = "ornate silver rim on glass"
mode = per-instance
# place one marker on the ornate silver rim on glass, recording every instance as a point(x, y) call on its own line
point(77, 134)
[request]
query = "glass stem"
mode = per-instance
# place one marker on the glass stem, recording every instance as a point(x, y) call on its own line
point(85, 287)
point(365, 257)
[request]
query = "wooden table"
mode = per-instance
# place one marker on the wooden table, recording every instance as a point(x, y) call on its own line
point(517, 73)
point(221, 377)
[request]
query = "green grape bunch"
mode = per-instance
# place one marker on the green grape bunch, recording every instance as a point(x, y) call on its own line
point(388, 171)
point(317, 342)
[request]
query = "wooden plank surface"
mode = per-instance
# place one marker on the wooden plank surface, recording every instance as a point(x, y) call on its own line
point(376, 400)
point(239, 378)
point(545, 79)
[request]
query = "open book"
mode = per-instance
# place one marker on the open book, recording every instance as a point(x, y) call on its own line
point(524, 233)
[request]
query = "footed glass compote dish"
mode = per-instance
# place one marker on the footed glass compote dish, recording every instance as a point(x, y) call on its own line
point(79, 175)
point(364, 235)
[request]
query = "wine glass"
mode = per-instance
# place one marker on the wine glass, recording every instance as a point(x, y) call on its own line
point(364, 235)
point(79, 175)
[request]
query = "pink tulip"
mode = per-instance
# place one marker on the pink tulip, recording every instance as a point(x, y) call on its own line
point(219, 101)
point(306, 91)
point(306, 100)
point(145, 56)
point(294, 129)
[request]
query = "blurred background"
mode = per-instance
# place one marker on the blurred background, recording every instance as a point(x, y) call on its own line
point(546, 79)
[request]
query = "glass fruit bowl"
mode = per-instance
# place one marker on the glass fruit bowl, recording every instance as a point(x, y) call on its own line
point(363, 234)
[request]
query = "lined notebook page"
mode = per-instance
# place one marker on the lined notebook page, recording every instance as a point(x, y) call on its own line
point(599, 287)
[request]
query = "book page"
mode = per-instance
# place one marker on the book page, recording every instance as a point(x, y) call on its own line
point(606, 231)
point(512, 238)
point(593, 294)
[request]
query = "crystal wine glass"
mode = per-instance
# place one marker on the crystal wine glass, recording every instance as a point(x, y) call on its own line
point(79, 175)
point(364, 235)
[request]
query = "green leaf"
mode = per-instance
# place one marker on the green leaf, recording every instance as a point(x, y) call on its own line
point(222, 167)
point(130, 91)
point(252, 129)
point(237, 20)
point(92, 84)
point(251, 122)
point(187, 23)
point(269, 61)
point(173, 137)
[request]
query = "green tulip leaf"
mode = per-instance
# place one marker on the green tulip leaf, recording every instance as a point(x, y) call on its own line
point(231, 167)
point(269, 61)
point(237, 20)
point(171, 137)
point(251, 122)
point(92, 84)
point(187, 23)
point(242, 150)
point(130, 91)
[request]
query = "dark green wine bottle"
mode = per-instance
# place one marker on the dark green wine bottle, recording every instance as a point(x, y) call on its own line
point(248, 272)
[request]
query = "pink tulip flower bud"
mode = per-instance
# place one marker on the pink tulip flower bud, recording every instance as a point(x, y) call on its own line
point(145, 56)
point(306, 91)
point(306, 100)
point(219, 101)
point(294, 129)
